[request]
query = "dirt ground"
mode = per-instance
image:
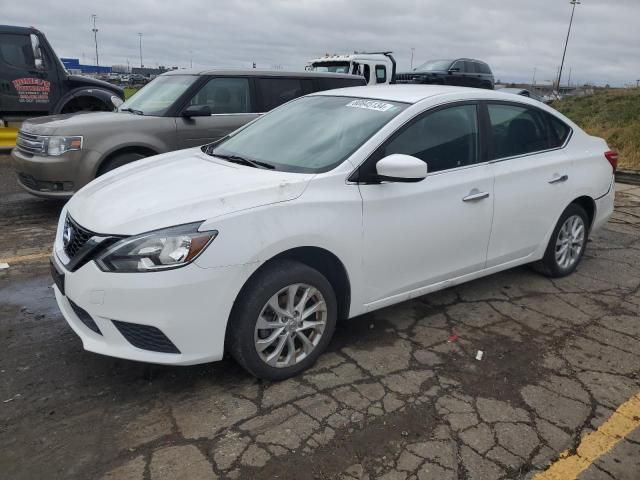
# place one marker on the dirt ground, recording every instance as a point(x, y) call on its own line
point(400, 395)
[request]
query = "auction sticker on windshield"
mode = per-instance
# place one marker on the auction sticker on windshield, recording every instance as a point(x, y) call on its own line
point(371, 105)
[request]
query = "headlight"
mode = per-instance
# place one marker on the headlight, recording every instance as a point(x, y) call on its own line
point(56, 145)
point(117, 101)
point(160, 250)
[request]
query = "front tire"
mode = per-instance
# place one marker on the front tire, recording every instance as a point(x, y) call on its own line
point(283, 320)
point(567, 243)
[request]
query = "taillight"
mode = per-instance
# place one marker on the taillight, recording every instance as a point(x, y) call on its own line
point(612, 157)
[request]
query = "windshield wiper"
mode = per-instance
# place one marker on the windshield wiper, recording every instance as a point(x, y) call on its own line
point(137, 112)
point(244, 161)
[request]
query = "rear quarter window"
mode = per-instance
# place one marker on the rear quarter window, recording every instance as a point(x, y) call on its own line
point(560, 131)
point(275, 91)
point(484, 68)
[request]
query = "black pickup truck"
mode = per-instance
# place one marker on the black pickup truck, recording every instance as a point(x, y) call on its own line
point(33, 81)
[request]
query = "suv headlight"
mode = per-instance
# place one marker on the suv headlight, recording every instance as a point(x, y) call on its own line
point(57, 145)
point(159, 250)
point(117, 101)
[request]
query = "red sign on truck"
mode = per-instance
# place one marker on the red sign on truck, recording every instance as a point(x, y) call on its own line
point(32, 90)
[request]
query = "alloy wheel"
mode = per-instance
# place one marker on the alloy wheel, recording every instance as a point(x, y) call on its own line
point(570, 242)
point(290, 325)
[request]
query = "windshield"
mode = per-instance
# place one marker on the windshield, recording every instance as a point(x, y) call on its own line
point(159, 95)
point(332, 67)
point(312, 134)
point(433, 66)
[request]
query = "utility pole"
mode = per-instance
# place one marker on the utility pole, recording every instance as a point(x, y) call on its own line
point(569, 81)
point(191, 58)
point(95, 39)
point(573, 11)
point(412, 51)
point(140, 35)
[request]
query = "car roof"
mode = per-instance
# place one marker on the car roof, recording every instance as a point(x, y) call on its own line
point(408, 93)
point(17, 30)
point(257, 72)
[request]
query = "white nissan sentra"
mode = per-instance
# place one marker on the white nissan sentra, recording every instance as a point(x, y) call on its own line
point(333, 205)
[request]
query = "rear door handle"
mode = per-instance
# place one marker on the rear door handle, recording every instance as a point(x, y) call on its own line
point(474, 197)
point(563, 178)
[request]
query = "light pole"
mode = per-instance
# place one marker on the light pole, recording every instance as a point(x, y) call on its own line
point(140, 35)
point(412, 50)
point(95, 39)
point(533, 80)
point(573, 10)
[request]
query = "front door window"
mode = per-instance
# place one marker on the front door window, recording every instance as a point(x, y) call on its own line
point(224, 95)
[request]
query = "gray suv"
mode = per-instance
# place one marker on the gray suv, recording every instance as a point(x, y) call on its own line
point(55, 156)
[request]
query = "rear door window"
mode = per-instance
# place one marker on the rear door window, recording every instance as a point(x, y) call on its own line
point(275, 91)
point(224, 95)
point(517, 130)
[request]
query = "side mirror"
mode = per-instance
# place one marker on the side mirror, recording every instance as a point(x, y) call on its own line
point(401, 168)
point(454, 69)
point(197, 111)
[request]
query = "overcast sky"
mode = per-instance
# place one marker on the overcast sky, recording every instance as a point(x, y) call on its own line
point(514, 37)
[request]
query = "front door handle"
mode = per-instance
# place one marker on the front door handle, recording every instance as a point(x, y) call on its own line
point(563, 178)
point(474, 197)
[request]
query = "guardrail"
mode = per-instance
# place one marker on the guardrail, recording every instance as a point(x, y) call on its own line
point(628, 176)
point(8, 137)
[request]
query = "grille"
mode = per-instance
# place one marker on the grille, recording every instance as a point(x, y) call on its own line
point(145, 337)
point(74, 237)
point(411, 78)
point(85, 318)
point(29, 143)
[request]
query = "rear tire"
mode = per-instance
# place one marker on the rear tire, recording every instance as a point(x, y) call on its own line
point(269, 335)
point(119, 161)
point(567, 243)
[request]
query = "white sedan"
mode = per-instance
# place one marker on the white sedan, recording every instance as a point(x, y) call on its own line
point(333, 205)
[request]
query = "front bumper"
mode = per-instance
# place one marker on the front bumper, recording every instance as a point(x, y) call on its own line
point(190, 306)
point(53, 177)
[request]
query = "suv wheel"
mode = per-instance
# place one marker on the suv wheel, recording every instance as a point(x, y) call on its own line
point(118, 161)
point(282, 321)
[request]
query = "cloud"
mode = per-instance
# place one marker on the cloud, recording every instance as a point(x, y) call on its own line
point(514, 37)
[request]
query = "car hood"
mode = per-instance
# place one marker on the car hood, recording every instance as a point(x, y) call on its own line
point(176, 188)
point(79, 123)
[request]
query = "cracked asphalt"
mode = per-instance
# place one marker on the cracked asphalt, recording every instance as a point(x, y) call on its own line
point(400, 395)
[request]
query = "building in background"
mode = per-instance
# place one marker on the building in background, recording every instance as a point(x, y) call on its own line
point(73, 65)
